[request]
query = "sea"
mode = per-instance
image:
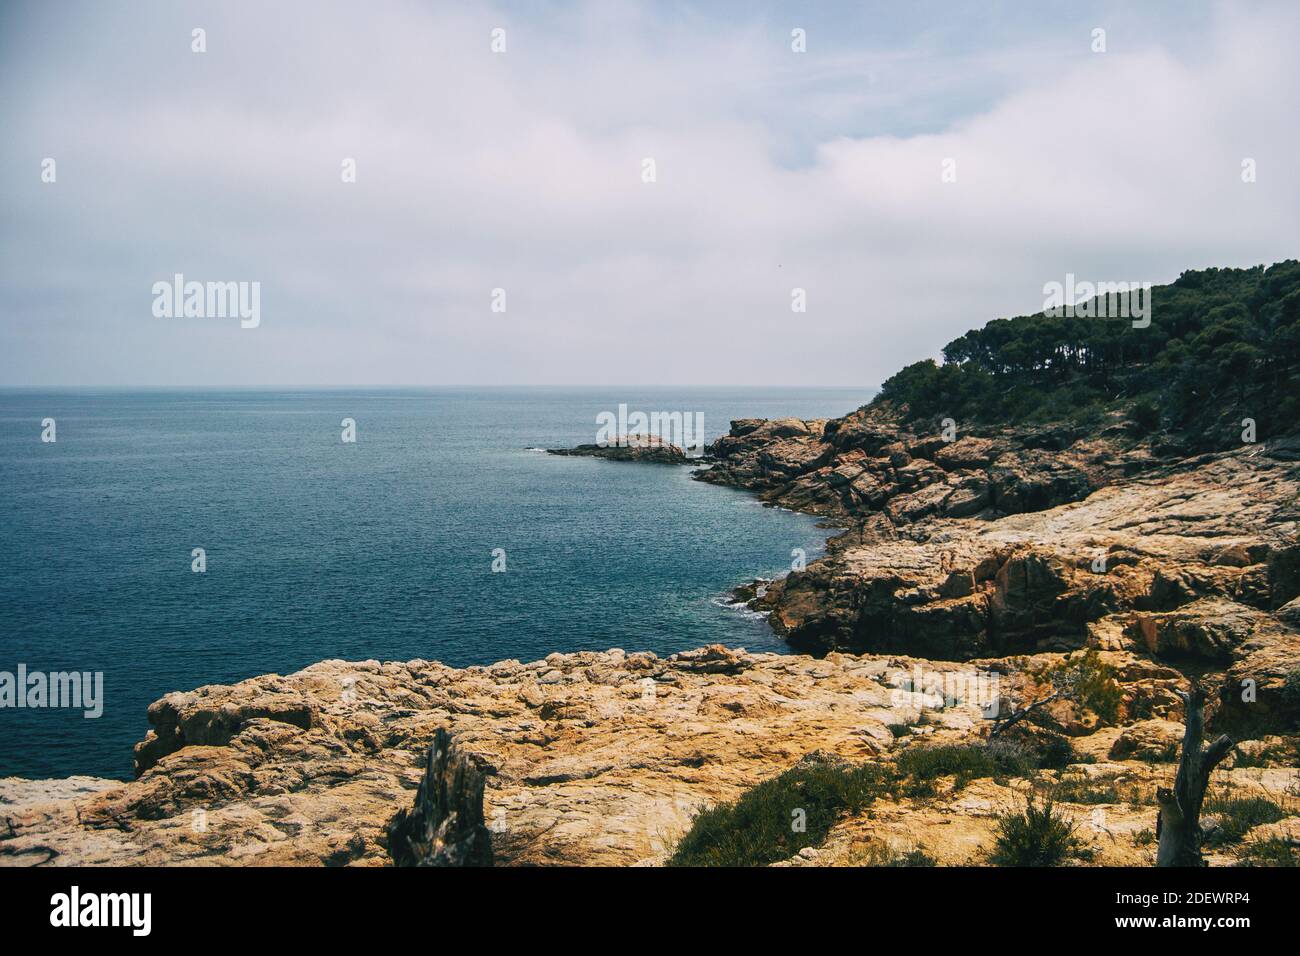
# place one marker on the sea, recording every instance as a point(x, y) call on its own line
point(169, 539)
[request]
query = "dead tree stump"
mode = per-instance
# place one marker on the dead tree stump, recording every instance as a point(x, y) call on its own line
point(445, 825)
point(1178, 824)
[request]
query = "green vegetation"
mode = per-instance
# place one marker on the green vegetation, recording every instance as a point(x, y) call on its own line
point(1088, 681)
point(878, 853)
point(1237, 815)
point(1038, 836)
point(1271, 852)
point(759, 827)
point(966, 762)
point(913, 858)
point(1056, 753)
point(1077, 789)
point(781, 816)
point(1291, 688)
point(1222, 344)
point(1167, 754)
point(922, 766)
point(1085, 791)
point(1000, 759)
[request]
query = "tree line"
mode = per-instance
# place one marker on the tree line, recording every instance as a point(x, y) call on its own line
point(1222, 345)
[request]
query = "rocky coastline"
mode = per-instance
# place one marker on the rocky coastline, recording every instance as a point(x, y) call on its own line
point(993, 552)
point(1011, 541)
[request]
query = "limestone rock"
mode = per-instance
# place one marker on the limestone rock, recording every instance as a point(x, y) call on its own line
point(603, 766)
point(1151, 740)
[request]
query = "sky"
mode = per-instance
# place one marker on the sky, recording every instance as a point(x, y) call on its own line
point(524, 170)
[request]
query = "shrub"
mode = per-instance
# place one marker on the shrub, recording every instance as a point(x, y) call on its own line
point(1012, 758)
point(1291, 688)
point(1056, 753)
point(758, 828)
point(1237, 815)
point(1088, 681)
point(1285, 753)
point(1038, 836)
point(1271, 852)
point(1097, 688)
point(1166, 754)
point(1082, 790)
point(913, 858)
point(963, 761)
point(1146, 415)
point(880, 854)
point(999, 758)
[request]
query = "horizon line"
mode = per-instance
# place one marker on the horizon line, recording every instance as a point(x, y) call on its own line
point(377, 387)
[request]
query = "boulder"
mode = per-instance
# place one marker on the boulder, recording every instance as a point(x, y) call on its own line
point(1153, 740)
point(967, 453)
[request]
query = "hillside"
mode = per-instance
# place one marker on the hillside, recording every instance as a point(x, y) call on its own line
point(1221, 345)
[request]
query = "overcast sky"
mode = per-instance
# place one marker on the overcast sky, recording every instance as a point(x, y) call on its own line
point(523, 170)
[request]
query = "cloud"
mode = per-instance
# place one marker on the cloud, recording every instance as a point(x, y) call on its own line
point(523, 171)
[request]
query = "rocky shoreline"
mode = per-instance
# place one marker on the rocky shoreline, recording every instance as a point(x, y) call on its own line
point(1015, 542)
point(1021, 541)
point(995, 553)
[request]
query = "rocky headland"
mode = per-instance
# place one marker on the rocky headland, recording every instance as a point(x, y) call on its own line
point(1122, 555)
point(1020, 541)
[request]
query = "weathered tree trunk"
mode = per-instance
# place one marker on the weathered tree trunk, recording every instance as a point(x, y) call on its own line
point(1178, 825)
point(445, 826)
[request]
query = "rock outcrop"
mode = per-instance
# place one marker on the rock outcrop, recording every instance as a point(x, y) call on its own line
point(588, 758)
point(1020, 541)
point(643, 448)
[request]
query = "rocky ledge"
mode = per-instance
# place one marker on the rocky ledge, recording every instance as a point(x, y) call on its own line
point(604, 759)
point(589, 758)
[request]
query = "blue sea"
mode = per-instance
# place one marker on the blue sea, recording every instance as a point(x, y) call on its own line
point(383, 548)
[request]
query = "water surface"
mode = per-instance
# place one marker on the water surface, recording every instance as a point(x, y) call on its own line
point(380, 549)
